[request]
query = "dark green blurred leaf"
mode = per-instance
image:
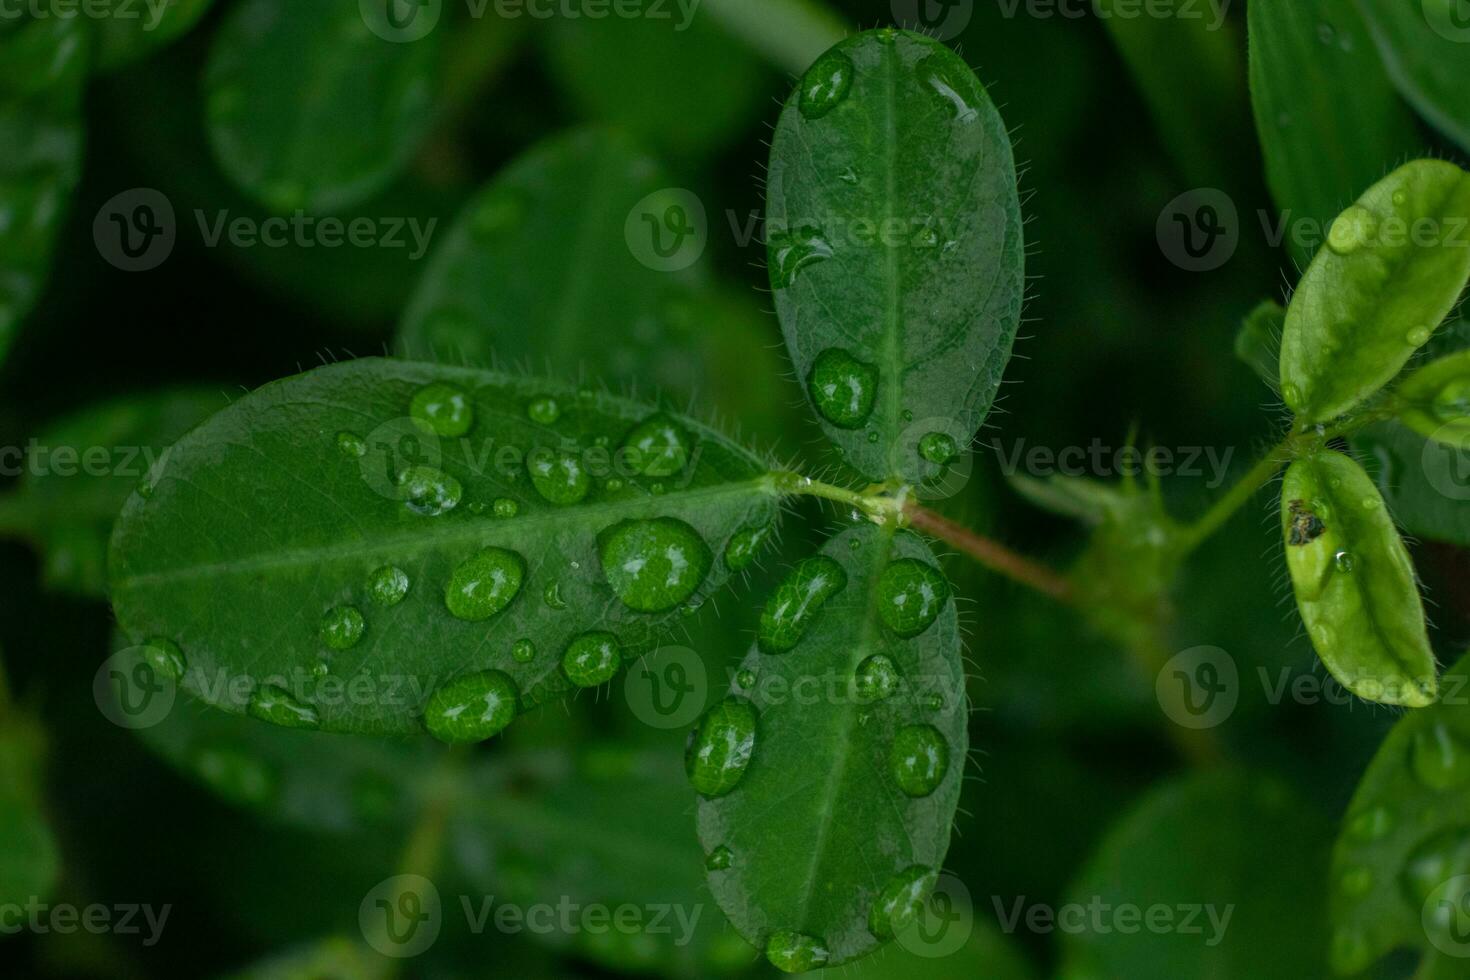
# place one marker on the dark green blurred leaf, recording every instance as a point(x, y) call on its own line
point(29, 862)
point(331, 959)
point(127, 30)
point(1423, 44)
point(1258, 342)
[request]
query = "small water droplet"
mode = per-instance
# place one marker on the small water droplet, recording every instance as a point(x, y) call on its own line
point(271, 703)
point(342, 627)
point(1441, 757)
point(551, 595)
point(876, 678)
point(745, 679)
point(907, 415)
point(505, 507)
point(918, 759)
point(444, 409)
point(1355, 882)
point(351, 445)
point(559, 477)
point(592, 659)
point(654, 565)
point(388, 585)
point(1371, 503)
point(843, 388)
point(848, 176)
point(1353, 229)
point(938, 447)
point(484, 584)
point(658, 446)
point(934, 702)
point(472, 708)
point(900, 901)
point(720, 748)
point(873, 438)
point(1344, 561)
point(744, 545)
point(1417, 337)
point(165, 657)
point(1292, 395)
point(790, 251)
point(719, 859)
point(523, 652)
point(910, 595)
point(796, 952)
point(544, 410)
point(429, 492)
point(936, 76)
point(1371, 825)
point(789, 613)
point(825, 84)
point(1400, 199)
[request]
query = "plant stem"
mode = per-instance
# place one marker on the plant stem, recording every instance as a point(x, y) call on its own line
point(991, 554)
point(790, 34)
point(1237, 496)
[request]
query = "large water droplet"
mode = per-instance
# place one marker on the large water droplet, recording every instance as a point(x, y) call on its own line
point(271, 703)
point(342, 627)
point(918, 759)
point(720, 748)
point(428, 491)
point(388, 585)
point(876, 678)
point(165, 657)
point(658, 446)
point(1352, 229)
point(796, 952)
point(472, 708)
point(791, 250)
point(910, 595)
point(592, 659)
point(654, 565)
point(744, 545)
point(444, 409)
point(843, 388)
point(1441, 757)
point(825, 84)
point(789, 612)
point(484, 584)
point(558, 476)
point(899, 903)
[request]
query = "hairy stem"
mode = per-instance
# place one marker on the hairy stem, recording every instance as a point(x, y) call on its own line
point(991, 554)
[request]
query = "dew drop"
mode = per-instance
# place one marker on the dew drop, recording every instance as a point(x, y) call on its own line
point(789, 612)
point(271, 703)
point(351, 445)
point(720, 748)
point(1292, 395)
point(848, 176)
point(790, 251)
point(938, 448)
point(900, 901)
point(472, 708)
point(1355, 882)
point(504, 507)
point(1352, 230)
point(559, 477)
point(843, 388)
point(876, 678)
point(387, 586)
point(796, 952)
point(1417, 337)
point(907, 415)
point(551, 595)
point(918, 759)
point(444, 409)
point(745, 679)
point(873, 438)
point(658, 446)
point(592, 659)
point(1441, 758)
point(1344, 561)
point(744, 545)
point(428, 491)
point(719, 859)
point(935, 75)
point(342, 627)
point(910, 595)
point(1400, 199)
point(1452, 402)
point(544, 410)
point(523, 652)
point(484, 584)
point(825, 84)
point(165, 657)
point(654, 565)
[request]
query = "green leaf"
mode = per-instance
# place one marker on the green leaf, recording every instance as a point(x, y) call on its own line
point(538, 270)
point(1192, 850)
point(895, 248)
point(672, 78)
point(80, 470)
point(1354, 582)
point(308, 109)
point(826, 833)
point(1404, 839)
point(1423, 47)
point(42, 71)
point(1258, 341)
point(262, 548)
point(789, 33)
point(1425, 483)
point(1393, 269)
point(337, 958)
point(1436, 400)
point(29, 861)
point(1329, 119)
point(127, 30)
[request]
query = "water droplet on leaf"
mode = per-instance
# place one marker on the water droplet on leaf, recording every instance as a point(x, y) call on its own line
point(789, 613)
point(444, 409)
point(843, 388)
point(428, 491)
point(472, 708)
point(543, 410)
point(388, 585)
point(592, 659)
point(719, 859)
point(654, 565)
point(918, 759)
point(271, 703)
point(792, 250)
point(938, 447)
point(720, 748)
point(825, 84)
point(165, 657)
point(1352, 229)
point(910, 595)
point(876, 678)
point(899, 903)
point(523, 652)
point(484, 584)
point(342, 627)
point(351, 445)
point(796, 952)
point(657, 447)
point(559, 477)
point(744, 545)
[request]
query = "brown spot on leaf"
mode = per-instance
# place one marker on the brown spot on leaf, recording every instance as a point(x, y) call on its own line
point(1305, 525)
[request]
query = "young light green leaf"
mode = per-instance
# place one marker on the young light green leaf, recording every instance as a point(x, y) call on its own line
point(827, 820)
point(127, 31)
point(78, 473)
point(1192, 848)
point(336, 958)
point(1425, 483)
point(1401, 866)
point(543, 267)
point(42, 71)
point(271, 546)
point(29, 862)
point(598, 62)
point(1423, 48)
point(1354, 582)
point(1258, 341)
point(1329, 119)
point(1393, 269)
point(1436, 400)
point(894, 243)
point(308, 109)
